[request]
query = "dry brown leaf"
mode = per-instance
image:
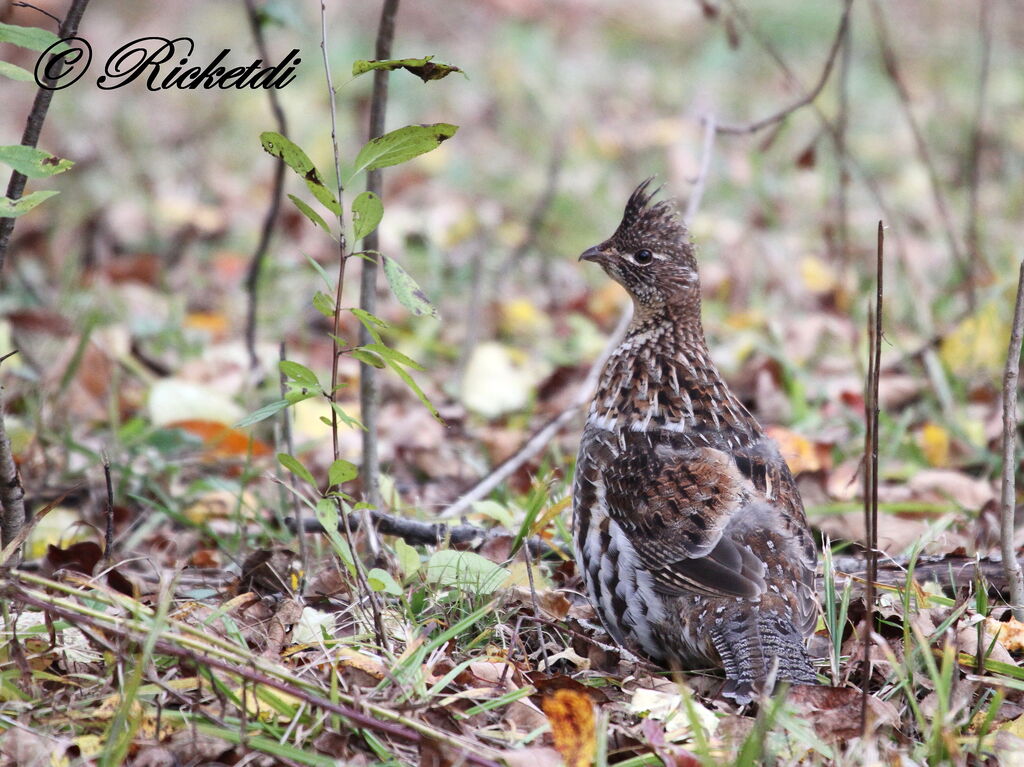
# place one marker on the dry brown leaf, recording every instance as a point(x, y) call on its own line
point(800, 453)
point(571, 715)
point(1009, 634)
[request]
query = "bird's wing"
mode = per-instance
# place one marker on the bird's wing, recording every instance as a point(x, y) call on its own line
point(693, 516)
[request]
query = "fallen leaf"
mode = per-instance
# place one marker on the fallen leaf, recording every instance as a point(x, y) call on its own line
point(571, 716)
point(934, 442)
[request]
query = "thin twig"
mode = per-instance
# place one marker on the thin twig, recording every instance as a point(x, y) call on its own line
point(842, 123)
point(972, 235)
point(841, 147)
point(807, 98)
point(892, 69)
point(369, 395)
point(1008, 500)
point(252, 277)
point(108, 511)
point(289, 446)
point(363, 586)
point(697, 193)
point(871, 469)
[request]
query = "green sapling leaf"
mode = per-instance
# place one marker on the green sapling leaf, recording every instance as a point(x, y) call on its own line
point(34, 163)
point(295, 467)
point(309, 213)
point(342, 471)
point(408, 293)
point(426, 68)
point(296, 159)
point(401, 145)
point(13, 208)
point(367, 211)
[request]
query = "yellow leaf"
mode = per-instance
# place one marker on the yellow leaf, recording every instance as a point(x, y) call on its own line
point(818, 276)
point(1010, 634)
point(571, 715)
point(800, 453)
point(978, 343)
point(934, 441)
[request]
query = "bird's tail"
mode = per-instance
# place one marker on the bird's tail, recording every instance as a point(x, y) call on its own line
point(754, 647)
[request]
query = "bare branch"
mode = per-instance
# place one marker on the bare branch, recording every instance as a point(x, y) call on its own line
point(807, 98)
point(1008, 500)
point(369, 396)
point(938, 196)
point(252, 277)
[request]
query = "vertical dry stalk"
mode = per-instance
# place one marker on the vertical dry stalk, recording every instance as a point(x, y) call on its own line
point(871, 469)
point(842, 122)
point(252, 277)
point(1009, 495)
point(972, 234)
point(365, 592)
point(369, 396)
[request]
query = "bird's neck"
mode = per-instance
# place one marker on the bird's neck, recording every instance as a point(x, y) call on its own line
point(662, 378)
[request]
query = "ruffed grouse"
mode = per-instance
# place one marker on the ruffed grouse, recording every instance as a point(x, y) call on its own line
point(689, 531)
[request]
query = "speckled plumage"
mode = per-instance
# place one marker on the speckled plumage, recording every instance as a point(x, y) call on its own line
point(689, 531)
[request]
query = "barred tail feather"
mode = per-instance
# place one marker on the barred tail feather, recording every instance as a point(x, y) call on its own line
point(753, 647)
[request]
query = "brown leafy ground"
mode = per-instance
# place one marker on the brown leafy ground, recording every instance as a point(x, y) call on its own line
point(202, 641)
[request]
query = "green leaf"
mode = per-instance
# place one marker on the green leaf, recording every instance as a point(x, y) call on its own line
point(263, 413)
point(309, 213)
point(495, 511)
point(388, 353)
point(381, 580)
point(401, 145)
point(345, 418)
point(327, 516)
point(323, 275)
point(31, 162)
point(465, 569)
point(32, 38)
point(341, 471)
point(415, 389)
point(367, 211)
point(14, 72)
point(13, 208)
point(296, 468)
point(408, 293)
point(371, 322)
point(424, 68)
point(324, 304)
point(368, 357)
point(299, 373)
point(298, 161)
point(408, 558)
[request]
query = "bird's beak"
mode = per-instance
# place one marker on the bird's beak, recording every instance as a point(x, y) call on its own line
point(593, 254)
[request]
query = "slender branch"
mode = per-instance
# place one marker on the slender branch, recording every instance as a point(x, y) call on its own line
point(362, 584)
point(842, 123)
point(973, 236)
point(938, 196)
point(1008, 499)
point(34, 125)
point(289, 446)
point(252, 277)
point(871, 468)
point(807, 98)
point(840, 145)
point(369, 395)
point(697, 194)
point(108, 511)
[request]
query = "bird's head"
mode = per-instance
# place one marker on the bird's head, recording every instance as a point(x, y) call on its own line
point(650, 255)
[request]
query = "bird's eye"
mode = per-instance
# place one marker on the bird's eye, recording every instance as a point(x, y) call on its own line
point(643, 256)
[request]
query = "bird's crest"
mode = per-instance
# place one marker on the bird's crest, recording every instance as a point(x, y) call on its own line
point(641, 217)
